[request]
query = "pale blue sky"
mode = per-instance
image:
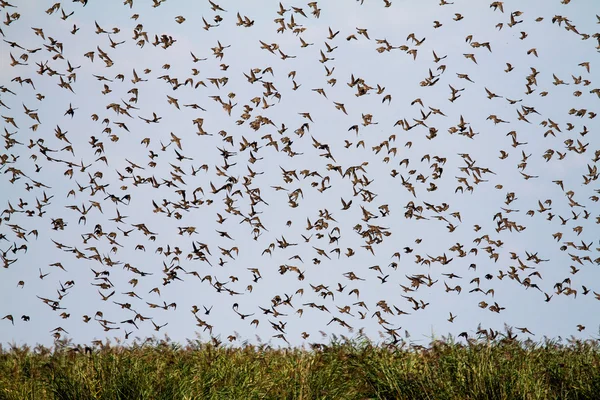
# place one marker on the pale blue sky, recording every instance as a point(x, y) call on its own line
point(559, 53)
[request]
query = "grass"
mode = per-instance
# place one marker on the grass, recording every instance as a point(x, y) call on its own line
point(350, 369)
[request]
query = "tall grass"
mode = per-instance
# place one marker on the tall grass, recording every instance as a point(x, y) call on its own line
point(349, 369)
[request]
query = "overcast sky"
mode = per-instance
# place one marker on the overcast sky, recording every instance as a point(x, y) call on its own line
point(515, 215)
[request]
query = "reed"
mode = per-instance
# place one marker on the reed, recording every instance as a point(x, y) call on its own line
point(353, 368)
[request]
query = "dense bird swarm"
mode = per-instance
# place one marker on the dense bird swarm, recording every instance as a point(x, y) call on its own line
point(298, 168)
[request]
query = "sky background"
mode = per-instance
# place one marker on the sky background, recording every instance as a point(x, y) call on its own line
point(559, 53)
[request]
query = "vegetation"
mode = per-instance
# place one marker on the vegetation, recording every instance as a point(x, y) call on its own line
point(349, 369)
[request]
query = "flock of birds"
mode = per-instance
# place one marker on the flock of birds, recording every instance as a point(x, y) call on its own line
point(75, 183)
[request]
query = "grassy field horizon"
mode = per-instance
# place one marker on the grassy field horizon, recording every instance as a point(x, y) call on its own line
point(502, 367)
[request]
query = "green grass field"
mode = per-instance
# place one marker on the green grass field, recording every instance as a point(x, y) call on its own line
point(348, 369)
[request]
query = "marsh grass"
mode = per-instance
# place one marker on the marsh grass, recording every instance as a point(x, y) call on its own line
point(350, 369)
